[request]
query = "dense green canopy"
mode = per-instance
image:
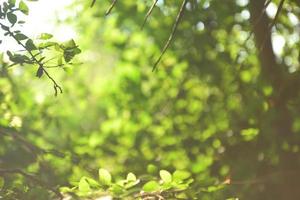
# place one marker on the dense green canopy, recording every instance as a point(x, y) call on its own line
point(218, 118)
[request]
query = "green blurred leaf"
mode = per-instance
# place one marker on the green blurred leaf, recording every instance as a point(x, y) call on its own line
point(104, 177)
point(83, 185)
point(152, 169)
point(12, 2)
point(151, 186)
point(131, 177)
point(165, 176)
point(1, 182)
point(12, 18)
point(69, 44)
point(21, 36)
point(40, 72)
point(180, 175)
point(214, 188)
point(23, 7)
point(30, 45)
point(45, 36)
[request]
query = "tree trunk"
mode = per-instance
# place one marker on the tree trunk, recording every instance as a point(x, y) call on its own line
point(286, 184)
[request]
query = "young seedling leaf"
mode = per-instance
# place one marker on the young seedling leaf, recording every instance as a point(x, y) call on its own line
point(104, 177)
point(165, 176)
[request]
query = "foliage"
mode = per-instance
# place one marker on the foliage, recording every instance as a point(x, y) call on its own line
point(218, 119)
point(171, 186)
point(35, 53)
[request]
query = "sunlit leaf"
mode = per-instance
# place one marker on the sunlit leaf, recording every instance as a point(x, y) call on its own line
point(165, 176)
point(180, 175)
point(83, 185)
point(151, 186)
point(23, 7)
point(104, 177)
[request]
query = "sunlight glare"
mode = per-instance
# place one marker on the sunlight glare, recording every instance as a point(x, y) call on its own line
point(43, 18)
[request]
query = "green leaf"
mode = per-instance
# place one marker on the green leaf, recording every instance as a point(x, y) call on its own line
point(1, 182)
point(12, 2)
point(131, 183)
point(151, 169)
point(23, 7)
point(9, 53)
point(40, 72)
point(83, 185)
point(29, 45)
point(165, 176)
point(66, 189)
point(182, 186)
point(18, 58)
point(21, 36)
point(151, 186)
point(104, 177)
point(92, 182)
point(116, 189)
point(214, 188)
point(69, 44)
point(69, 53)
point(45, 36)
point(180, 175)
point(131, 177)
point(6, 28)
point(12, 18)
point(46, 45)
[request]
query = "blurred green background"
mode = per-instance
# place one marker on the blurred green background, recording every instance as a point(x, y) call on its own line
point(219, 105)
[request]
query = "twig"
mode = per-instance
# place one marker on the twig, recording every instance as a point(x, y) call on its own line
point(280, 6)
point(56, 87)
point(174, 29)
point(111, 7)
point(258, 20)
point(93, 3)
point(149, 13)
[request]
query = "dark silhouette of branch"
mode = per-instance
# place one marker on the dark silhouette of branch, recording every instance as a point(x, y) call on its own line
point(256, 23)
point(149, 13)
point(174, 29)
point(93, 3)
point(280, 6)
point(111, 7)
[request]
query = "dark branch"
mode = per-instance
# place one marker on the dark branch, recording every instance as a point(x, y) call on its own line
point(57, 88)
point(111, 7)
point(174, 29)
point(93, 3)
point(149, 13)
point(273, 21)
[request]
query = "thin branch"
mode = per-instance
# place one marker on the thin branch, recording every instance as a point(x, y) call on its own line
point(277, 14)
point(258, 20)
point(149, 13)
point(93, 3)
point(280, 6)
point(111, 7)
point(174, 29)
point(56, 86)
